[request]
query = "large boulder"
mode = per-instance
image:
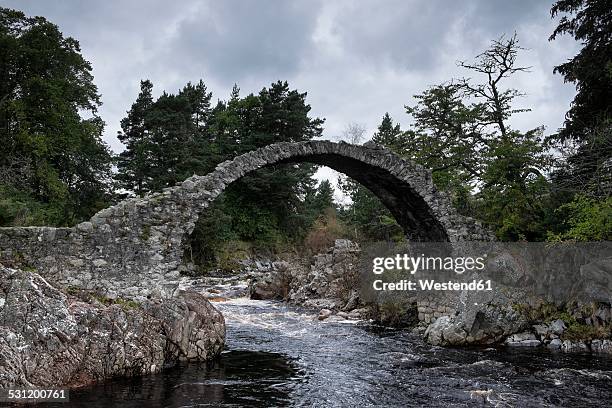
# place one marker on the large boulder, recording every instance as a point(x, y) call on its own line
point(490, 324)
point(272, 283)
point(49, 338)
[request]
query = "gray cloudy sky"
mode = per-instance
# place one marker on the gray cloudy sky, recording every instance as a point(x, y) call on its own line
point(356, 59)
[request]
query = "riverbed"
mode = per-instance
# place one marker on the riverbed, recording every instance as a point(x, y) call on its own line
point(277, 355)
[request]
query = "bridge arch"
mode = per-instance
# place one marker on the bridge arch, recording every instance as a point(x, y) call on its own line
point(404, 187)
point(137, 245)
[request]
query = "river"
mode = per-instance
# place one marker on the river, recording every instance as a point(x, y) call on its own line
point(277, 355)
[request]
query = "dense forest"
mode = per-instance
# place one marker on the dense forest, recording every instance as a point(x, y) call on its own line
point(56, 170)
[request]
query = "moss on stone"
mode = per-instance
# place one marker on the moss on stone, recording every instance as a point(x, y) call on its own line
point(124, 303)
point(146, 232)
point(127, 304)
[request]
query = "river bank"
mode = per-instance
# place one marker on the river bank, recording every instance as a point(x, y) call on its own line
point(335, 284)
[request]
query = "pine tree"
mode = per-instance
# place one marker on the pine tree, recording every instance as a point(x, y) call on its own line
point(323, 197)
point(196, 155)
point(588, 21)
point(366, 213)
point(235, 94)
point(133, 164)
point(586, 136)
point(388, 134)
point(271, 197)
point(446, 137)
point(167, 140)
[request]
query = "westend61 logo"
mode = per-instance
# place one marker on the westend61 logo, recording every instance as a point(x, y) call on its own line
point(404, 263)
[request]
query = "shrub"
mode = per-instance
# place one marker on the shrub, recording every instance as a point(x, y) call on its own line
point(586, 219)
point(324, 232)
point(231, 252)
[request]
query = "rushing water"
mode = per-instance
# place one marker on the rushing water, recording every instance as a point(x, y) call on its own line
point(281, 356)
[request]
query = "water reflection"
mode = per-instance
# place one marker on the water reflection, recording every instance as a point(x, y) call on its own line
point(237, 378)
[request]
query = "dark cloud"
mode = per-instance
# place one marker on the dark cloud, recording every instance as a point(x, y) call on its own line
point(235, 40)
point(499, 17)
point(357, 60)
point(402, 33)
point(409, 34)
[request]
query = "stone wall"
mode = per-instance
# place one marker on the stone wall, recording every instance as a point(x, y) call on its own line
point(135, 248)
point(430, 310)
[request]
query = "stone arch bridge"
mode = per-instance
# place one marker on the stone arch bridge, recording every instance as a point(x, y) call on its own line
point(135, 248)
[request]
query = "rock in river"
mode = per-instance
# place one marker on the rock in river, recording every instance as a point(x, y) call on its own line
point(49, 338)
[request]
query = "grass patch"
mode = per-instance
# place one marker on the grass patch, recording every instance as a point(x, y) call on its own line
point(582, 332)
point(231, 252)
point(93, 297)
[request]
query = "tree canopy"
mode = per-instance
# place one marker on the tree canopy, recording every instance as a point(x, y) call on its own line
point(54, 167)
point(586, 136)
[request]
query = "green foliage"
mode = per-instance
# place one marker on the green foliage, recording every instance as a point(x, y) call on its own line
point(167, 140)
point(397, 313)
point(514, 191)
point(586, 137)
point(544, 312)
point(134, 162)
point(577, 329)
point(231, 252)
point(388, 133)
point(461, 132)
point(369, 218)
point(319, 200)
point(19, 208)
point(95, 297)
point(51, 151)
point(253, 222)
point(498, 174)
point(270, 205)
point(446, 137)
point(125, 304)
point(589, 22)
point(585, 332)
point(209, 237)
point(391, 308)
point(586, 219)
point(145, 234)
